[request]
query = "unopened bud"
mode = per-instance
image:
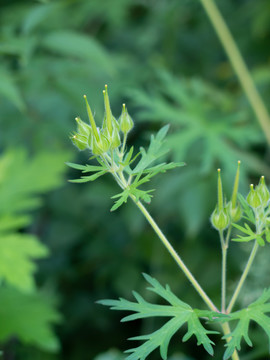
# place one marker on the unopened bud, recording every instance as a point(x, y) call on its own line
point(83, 128)
point(126, 122)
point(220, 219)
point(235, 213)
point(115, 139)
point(263, 192)
point(100, 145)
point(80, 141)
point(253, 198)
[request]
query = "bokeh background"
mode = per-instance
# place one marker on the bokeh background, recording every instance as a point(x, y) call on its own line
point(61, 249)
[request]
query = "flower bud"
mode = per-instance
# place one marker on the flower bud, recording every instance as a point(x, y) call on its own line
point(235, 213)
point(220, 219)
point(80, 141)
point(126, 122)
point(253, 198)
point(115, 139)
point(83, 128)
point(101, 145)
point(263, 192)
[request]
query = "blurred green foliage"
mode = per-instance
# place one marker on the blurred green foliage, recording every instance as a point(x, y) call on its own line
point(164, 60)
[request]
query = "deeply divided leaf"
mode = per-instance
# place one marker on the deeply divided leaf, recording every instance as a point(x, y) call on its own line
point(257, 312)
point(179, 312)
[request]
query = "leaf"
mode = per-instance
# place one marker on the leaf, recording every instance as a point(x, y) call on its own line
point(79, 46)
point(38, 174)
point(93, 177)
point(252, 235)
point(180, 313)
point(123, 196)
point(84, 168)
point(254, 312)
point(247, 209)
point(9, 89)
point(29, 317)
point(155, 150)
point(19, 250)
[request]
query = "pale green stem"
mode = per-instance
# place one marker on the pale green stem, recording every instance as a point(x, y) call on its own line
point(124, 144)
point(223, 271)
point(228, 236)
point(239, 65)
point(243, 277)
point(174, 254)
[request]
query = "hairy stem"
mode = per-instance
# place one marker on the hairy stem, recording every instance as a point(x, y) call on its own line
point(243, 277)
point(174, 254)
point(239, 65)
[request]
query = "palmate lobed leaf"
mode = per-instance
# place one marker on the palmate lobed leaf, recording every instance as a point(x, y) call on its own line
point(180, 313)
point(17, 252)
point(256, 312)
point(29, 317)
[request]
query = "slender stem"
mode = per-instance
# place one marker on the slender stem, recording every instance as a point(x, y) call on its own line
point(228, 236)
point(239, 65)
point(223, 271)
point(174, 254)
point(243, 277)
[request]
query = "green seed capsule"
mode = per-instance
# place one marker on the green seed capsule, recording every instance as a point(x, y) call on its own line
point(100, 145)
point(263, 192)
point(80, 141)
point(220, 219)
point(253, 198)
point(115, 139)
point(235, 213)
point(126, 122)
point(83, 128)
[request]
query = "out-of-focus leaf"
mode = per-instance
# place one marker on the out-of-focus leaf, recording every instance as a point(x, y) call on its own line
point(9, 89)
point(29, 317)
point(17, 252)
point(77, 45)
point(24, 178)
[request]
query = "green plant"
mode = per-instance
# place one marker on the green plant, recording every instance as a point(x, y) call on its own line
point(27, 313)
point(107, 145)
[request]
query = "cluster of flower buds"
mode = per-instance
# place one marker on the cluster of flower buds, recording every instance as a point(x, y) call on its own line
point(104, 139)
point(259, 197)
point(226, 213)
